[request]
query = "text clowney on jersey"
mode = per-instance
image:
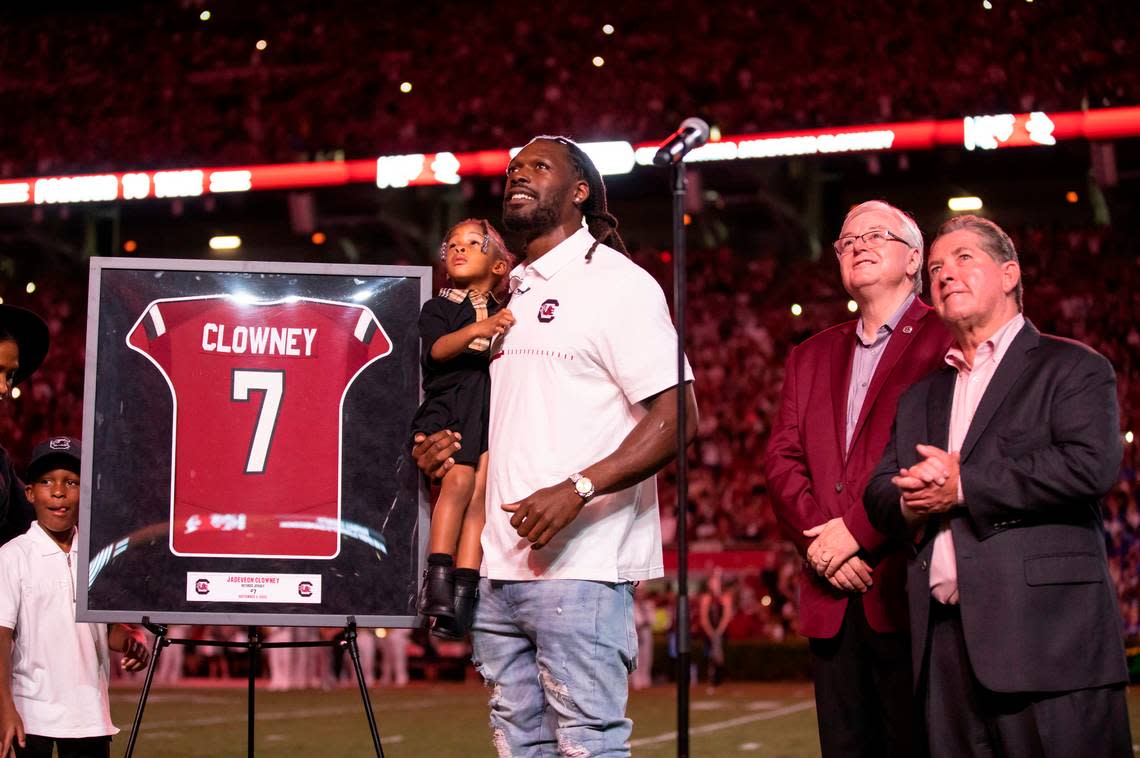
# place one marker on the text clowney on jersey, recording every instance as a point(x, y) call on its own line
point(257, 390)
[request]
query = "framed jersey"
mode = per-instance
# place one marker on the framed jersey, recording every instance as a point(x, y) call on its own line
point(246, 454)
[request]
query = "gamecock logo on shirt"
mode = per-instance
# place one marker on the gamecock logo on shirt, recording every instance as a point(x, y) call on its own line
point(546, 311)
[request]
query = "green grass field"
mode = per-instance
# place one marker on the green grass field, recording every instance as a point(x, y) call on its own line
point(776, 720)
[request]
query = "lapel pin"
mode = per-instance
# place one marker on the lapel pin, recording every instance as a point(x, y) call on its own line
point(908, 329)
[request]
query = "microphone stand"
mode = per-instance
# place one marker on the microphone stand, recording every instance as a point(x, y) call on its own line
point(681, 619)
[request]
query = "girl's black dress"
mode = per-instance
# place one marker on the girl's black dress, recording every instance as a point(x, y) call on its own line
point(457, 392)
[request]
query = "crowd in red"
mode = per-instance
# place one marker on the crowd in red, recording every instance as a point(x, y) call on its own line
point(157, 86)
point(160, 86)
point(741, 327)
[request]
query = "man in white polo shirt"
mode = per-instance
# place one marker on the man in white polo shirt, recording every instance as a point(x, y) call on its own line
point(583, 413)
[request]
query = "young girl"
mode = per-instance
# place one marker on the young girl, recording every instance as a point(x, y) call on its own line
point(456, 330)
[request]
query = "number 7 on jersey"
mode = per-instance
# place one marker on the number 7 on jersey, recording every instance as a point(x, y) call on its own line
point(272, 384)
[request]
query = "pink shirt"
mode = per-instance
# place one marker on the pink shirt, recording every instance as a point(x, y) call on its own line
point(969, 388)
point(864, 363)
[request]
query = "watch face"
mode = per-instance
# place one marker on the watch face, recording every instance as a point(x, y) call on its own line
point(583, 486)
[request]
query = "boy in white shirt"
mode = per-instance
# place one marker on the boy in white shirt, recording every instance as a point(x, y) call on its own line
point(54, 671)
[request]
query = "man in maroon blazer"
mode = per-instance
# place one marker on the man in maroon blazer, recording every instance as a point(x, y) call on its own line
point(840, 391)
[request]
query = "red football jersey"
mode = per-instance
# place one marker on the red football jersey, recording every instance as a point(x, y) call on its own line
point(257, 390)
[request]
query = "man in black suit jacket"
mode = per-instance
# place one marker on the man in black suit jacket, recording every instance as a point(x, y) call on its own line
point(994, 475)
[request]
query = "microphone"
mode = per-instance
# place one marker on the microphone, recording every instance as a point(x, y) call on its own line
point(693, 133)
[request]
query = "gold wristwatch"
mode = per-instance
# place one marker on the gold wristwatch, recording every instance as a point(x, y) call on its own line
point(583, 486)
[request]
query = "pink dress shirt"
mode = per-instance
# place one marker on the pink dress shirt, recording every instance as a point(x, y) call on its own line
point(969, 388)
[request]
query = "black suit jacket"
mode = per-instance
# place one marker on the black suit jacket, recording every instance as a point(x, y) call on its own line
point(16, 513)
point(1038, 607)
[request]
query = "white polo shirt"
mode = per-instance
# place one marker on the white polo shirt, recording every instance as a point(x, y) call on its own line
point(60, 669)
point(590, 342)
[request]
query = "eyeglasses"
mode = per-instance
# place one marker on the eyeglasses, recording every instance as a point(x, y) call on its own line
point(873, 238)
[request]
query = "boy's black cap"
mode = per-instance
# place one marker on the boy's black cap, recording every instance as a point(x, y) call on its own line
point(31, 335)
point(57, 452)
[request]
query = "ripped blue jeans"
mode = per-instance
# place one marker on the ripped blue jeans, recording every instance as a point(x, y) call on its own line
point(556, 655)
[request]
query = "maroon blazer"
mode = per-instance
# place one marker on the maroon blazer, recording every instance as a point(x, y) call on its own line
point(811, 480)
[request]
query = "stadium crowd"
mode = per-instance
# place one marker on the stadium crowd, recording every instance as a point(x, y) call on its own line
point(741, 327)
point(261, 82)
point(198, 83)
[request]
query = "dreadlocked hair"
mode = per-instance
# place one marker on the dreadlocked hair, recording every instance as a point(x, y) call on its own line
point(492, 242)
point(602, 224)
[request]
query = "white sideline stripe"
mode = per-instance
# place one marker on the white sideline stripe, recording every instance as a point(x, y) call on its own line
point(272, 716)
point(718, 725)
point(386, 739)
point(763, 705)
point(709, 705)
point(170, 697)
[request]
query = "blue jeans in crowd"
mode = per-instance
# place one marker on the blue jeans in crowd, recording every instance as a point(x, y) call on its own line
point(556, 655)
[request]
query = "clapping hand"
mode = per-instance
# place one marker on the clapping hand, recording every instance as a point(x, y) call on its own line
point(931, 485)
